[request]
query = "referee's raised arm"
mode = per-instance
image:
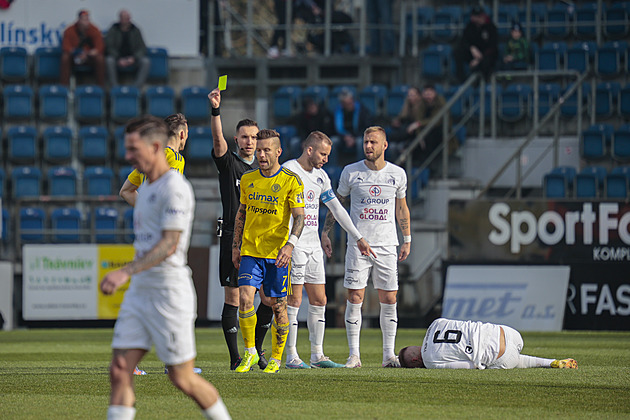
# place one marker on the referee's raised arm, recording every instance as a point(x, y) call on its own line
point(218, 141)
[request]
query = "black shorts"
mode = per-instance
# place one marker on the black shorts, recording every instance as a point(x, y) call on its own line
point(228, 274)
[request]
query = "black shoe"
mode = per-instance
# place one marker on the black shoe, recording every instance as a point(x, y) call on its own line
point(234, 365)
point(262, 362)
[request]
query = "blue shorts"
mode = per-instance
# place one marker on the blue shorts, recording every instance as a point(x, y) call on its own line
point(256, 271)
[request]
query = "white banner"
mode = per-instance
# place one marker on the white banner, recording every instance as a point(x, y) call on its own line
point(6, 294)
point(173, 25)
point(528, 298)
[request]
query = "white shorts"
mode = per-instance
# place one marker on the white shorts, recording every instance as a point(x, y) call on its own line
point(164, 317)
point(307, 266)
point(383, 269)
point(513, 347)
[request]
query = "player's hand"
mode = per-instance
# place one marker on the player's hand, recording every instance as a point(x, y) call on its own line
point(284, 256)
point(326, 245)
point(113, 280)
point(215, 98)
point(236, 257)
point(365, 248)
point(405, 249)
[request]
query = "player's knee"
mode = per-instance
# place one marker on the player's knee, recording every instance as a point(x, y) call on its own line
point(184, 383)
point(318, 300)
point(118, 369)
point(279, 306)
point(294, 301)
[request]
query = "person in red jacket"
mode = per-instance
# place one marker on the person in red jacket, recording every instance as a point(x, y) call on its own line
point(83, 45)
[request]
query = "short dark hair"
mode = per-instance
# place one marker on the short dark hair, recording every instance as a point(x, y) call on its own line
point(148, 126)
point(266, 133)
point(316, 138)
point(174, 122)
point(401, 357)
point(246, 123)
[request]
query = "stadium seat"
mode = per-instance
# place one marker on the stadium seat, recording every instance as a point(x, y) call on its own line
point(23, 144)
point(507, 14)
point(446, 24)
point(317, 93)
point(89, 104)
point(47, 62)
point(624, 102)
point(586, 20)
point(119, 140)
point(62, 181)
point(32, 223)
point(606, 98)
point(53, 103)
point(460, 106)
point(581, 55)
point(286, 101)
point(18, 102)
point(535, 23)
point(106, 225)
point(123, 173)
point(558, 22)
point(66, 225)
point(93, 144)
point(159, 71)
point(568, 172)
point(615, 24)
point(569, 107)
point(590, 182)
point(396, 99)
point(555, 186)
point(195, 103)
point(333, 95)
point(199, 145)
point(609, 58)
point(124, 103)
point(514, 102)
point(26, 182)
point(551, 56)
point(372, 97)
point(548, 94)
point(128, 235)
point(160, 101)
point(334, 173)
point(291, 143)
point(617, 186)
point(436, 61)
point(487, 104)
point(417, 181)
point(6, 234)
point(14, 64)
point(57, 144)
point(3, 179)
point(424, 16)
point(98, 180)
point(621, 143)
point(595, 141)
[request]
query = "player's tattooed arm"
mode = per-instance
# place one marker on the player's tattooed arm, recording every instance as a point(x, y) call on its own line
point(403, 217)
point(298, 224)
point(239, 223)
point(329, 222)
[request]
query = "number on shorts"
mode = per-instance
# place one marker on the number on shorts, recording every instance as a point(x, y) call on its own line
point(449, 336)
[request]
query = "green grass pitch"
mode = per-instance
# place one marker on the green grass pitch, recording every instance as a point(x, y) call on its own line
point(62, 374)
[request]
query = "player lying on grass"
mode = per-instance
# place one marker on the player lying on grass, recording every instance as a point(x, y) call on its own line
point(452, 344)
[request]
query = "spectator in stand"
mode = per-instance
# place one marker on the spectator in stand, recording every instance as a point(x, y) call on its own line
point(314, 117)
point(517, 52)
point(126, 50)
point(350, 121)
point(82, 45)
point(478, 46)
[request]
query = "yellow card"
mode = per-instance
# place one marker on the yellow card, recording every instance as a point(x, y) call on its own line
point(223, 82)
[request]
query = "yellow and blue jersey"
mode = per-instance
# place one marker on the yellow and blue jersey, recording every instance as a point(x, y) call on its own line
point(175, 161)
point(268, 202)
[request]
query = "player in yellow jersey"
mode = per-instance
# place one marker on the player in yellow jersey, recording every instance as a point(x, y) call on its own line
point(262, 246)
point(178, 134)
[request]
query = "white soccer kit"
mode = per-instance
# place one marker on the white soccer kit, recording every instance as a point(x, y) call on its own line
point(454, 344)
point(373, 197)
point(160, 305)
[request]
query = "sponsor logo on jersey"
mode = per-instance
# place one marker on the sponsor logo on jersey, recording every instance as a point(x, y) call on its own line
point(310, 195)
point(250, 185)
point(174, 211)
point(311, 206)
point(375, 190)
point(258, 210)
point(300, 198)
point(374, 214)
point(391, 180)
point(468, 350)
point(311, 220)
point(263, 197)
point(275, 188)
point(369, 200)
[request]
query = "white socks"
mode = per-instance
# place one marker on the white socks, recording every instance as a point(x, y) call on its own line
point(389, 325)
point(217, 411)
point(120, 412)
point(316, 323)
point(290, 349)
point(525, 361)
point(353, 327)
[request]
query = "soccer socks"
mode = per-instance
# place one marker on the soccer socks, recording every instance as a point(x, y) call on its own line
point(264, 315)
point(120, 412)
point(279, 334)
point(247, 321)
point(292, 313)
point(316, 323)
point(229, 322)
point(389, 325)
point(525, 361)
point(353, 327)
point(217, 411)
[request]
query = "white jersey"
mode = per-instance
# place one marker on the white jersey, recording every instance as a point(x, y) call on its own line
point(316, 186)
point(165, 204)
point(453, 344)
point(373, 197)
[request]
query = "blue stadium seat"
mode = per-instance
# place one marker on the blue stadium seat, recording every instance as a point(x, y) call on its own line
point(446, 23)
point(569, 107)
point(119, 139)
point(2, 182)
point(568, 172)
point(586, 20)
point(128, 235)
point(66, 223)
point(506, 16)
point(53, 103)
point(18, 102)
point(195, 103)
point(461, 105)
point(424, 16)
point(333, 95)
point(418, 180)
point(57, 144)
point(98, 180)
point(286, 101)
point(609, 58)
point(615, 24)
point(372, 97)
point(558, 22)
point(159, 71)
point(436, 61)
point(589, 183)
point(617, 186)
point(606, 97)
point(47, 62)
point(160, 101)
point(581, 55)
point(6, 234)
point(317, 93)
point(621, 143)
point(124, 103)
point(62, 181)
point(23, 145)
point(514, 102)
point(93, 144)
point(32, 224)
point(106, 225)
point(396, 99)
point(595, 141)
point(624, 102)
point(535, 23)
point(123, 173)
point(14, 64)
point(199, 144)
point(548, 94)
point(551, 56)
point(89, 101)
point(555, 186)
point(291, 143)
point(487, 104)
point(26, 181)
